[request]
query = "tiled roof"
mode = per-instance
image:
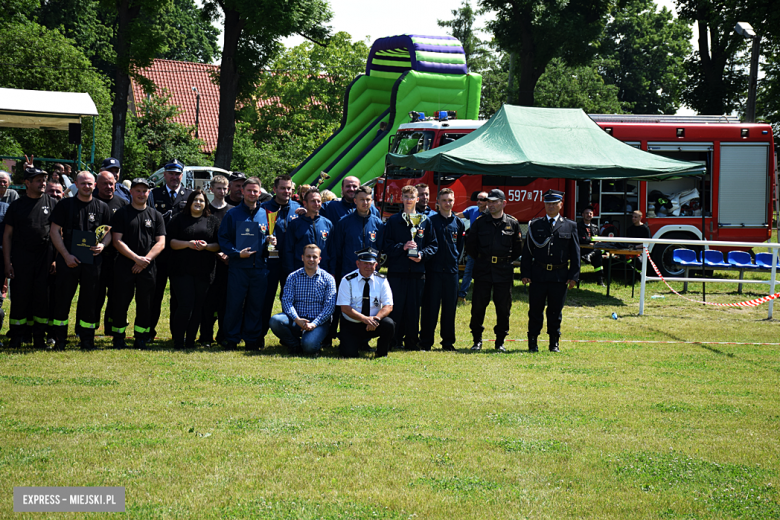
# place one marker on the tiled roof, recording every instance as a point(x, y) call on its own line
point(178, 77)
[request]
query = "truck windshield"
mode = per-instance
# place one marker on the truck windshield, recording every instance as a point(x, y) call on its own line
point(408, 143)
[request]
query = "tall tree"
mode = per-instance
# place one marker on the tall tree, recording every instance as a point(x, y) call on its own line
point(642, 52)
point(190, 36)
point(540, 30)
point(304, 91)
point(462, 27)
point(252, 32)
point(716, 81)
point(582, 87)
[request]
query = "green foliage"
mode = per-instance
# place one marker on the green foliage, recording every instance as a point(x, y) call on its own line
point(35, 58)
point(190, 36)
point(153, 139)
point(267, 160)
point(540, 30)
point(576, 87)
point(768, 96)
point(462, 28)
point(309, 82)
point(642, 52)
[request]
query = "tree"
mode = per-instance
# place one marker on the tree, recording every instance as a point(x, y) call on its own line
point(251, 40)
point(306, 89)
point(136, 42)
point(462, 28)
point(35, 58)
point(189, 35)
point(642, 52)
point(153, 138)
point(576, 87)
point(715, 77)
point(540, 30)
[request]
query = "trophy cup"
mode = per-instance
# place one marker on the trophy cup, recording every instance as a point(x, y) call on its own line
point(414, 220)
point(321, 179)
point(272, 252)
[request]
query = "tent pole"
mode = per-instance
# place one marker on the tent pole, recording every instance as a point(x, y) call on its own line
point(92, 155)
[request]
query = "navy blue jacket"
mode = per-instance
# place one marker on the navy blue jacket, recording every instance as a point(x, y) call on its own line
point(450, 236)
point(352, 233)
point(283, 219)
point(302, 232)
point(227, 237)
point(397, 233)
point(334, 210)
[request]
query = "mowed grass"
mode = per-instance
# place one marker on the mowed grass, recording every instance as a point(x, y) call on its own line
point(609, 428)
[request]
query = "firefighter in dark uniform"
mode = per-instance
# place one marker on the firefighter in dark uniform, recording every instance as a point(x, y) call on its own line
point(139, 238)
point(494, 241)
point(86, 214)
point(107, 191)
point(28, 258)
point(551, 263)
point(169, 200)
point(586, 230)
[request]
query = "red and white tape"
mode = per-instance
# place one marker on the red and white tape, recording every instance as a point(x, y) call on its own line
point(751, 303)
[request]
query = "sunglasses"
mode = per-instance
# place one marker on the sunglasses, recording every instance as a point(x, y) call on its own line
point(482, 200)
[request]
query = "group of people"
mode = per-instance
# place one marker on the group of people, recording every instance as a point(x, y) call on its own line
point(228, 258)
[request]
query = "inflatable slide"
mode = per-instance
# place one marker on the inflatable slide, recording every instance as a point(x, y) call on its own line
point(403, 74)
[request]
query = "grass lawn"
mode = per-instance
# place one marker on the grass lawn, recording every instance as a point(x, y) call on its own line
point(609, 428)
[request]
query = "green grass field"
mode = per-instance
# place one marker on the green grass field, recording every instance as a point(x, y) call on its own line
point(639, 417)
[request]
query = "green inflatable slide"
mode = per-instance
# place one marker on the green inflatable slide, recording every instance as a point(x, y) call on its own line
point(404, 73)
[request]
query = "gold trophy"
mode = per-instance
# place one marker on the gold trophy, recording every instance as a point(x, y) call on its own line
point(414, 220)
point(272, 252)
point(322, 178)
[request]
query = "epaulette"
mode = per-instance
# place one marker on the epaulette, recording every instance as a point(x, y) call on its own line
point(535, 219)
point(352, 276)
point(480, 216)
point(379, 275)
point(510, 216)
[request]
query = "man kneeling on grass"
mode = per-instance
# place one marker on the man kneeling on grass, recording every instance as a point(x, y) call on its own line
point(308, 301)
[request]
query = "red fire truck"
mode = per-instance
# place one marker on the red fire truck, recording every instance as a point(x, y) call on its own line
point(736, 194)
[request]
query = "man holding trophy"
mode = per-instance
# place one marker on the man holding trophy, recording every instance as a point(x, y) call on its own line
point(409, 241)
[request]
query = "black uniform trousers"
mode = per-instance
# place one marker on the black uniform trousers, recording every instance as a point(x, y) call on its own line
point(275, 279)
point(161, 281)
point(190, 293)
point(105, 291)
point(407, 298)
point(83, 277)
point(354, 337)
point(214, 306)
point(480, 298)
point(126, 283)
point(29, 293)
point(441, 290)
point(554, 295)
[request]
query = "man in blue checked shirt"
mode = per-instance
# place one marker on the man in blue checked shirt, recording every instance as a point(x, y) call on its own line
point(308, 301)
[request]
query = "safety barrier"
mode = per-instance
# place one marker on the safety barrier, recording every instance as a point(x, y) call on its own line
point(707, 244)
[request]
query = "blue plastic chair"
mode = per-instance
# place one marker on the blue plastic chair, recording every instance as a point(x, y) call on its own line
point(741, 259)
point(685, 257)
point(764, 261)
point(714, 258)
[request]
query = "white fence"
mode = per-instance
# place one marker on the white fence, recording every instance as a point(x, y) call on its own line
point(707, 245)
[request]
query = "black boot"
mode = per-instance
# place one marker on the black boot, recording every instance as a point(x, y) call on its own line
point(600, 281)
point(500, 345)
point(477, 344)
point(119, 342)
point(533, 343)
point(554, 341)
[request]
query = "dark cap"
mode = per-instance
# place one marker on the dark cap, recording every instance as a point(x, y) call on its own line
point(140, 180)
point(109, 163)
point(496, 194)
point(237, 176)
point(553, 196)
point(30, 173)
point(174, 166)
point(368, 254)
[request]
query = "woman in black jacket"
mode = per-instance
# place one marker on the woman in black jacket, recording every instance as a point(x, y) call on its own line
point(192, 236)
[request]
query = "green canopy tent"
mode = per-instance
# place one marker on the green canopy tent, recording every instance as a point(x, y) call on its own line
point(551, 143)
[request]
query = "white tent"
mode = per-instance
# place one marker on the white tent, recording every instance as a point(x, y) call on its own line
point(43, 109)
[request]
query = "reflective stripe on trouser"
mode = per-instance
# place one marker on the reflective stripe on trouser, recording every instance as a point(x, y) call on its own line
point(29, 288)
point(126, 284)
point(85, 278)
